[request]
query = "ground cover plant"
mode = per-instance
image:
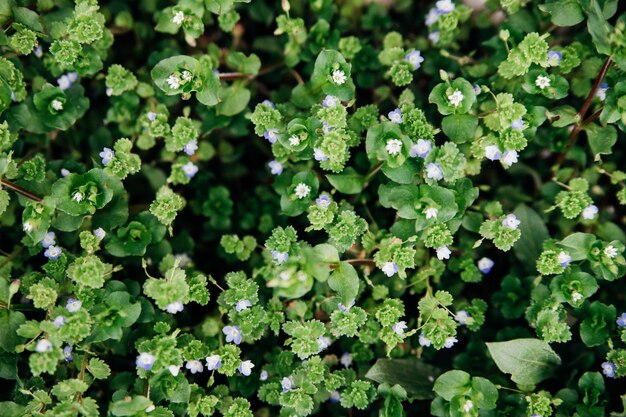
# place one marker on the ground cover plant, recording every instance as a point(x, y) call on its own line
point(312, 207)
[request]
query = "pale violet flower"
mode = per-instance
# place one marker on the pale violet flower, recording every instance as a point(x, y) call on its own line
point(65, 81)
point(542, 82)
point(323, 201)
point(423, 340)
point(443, 253)
point(326, 127)
point(280, 257)
point(191, 147)
point(621, 321)
point(554, 58)
point(431, 213)
point(245, 367)
point(608, 369)
point(43, 346)
point(610, 251)
point(601, 93)
point(67, 353)
point(152, 116)
point(178, 18)
point(213, 362)
point(415, 58)
point(590, 212)
point(517, 124)
point(264, 375)
point(183, 260)
point(390, 269)
point(564, 259)
point(422, 148)
point(393, 147)
point(511, 221)
point(108, 91)
point(145, 361)
point(456, 98)
point(395, 116)
point(242, 305)
point(38, 51)
point(477, 89)
point(194, 366)
point(53, 252)
point(445, 6)
point(509, 158)
point(174, 370)
point(233, 334)
point(73, 305)
point(485, 264)
point(323, 342)
point(346, 359)
point(99, 233)
point(330, 101)
point(335, 397)
point(399, 328)
point(59, 321)
point(434, 171)
point(492, 152)
point(175, 307)
point(190, 169)
point(432, 17)
point(302, 190)
point(287, 384)
point(434, 36)
point(269, 103)
point(173, 81)
point(271, 135)
point(462, 316)
point(319, 155)
point(276, 168)
point(339, 77)
point(65, 172)
point(48, 240)
point(57, 105)
point(345, 309)
point(450, 341)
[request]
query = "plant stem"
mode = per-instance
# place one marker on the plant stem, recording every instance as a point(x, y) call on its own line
point(226, 76)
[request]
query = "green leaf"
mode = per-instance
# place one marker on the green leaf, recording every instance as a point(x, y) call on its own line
point(459, 127)
point(577, 245)
point(599, 28)
point(233, 100)
point(529, 246)
point(529, 361)
point(452, 383)
point(319, 259)
point(98, 368)
point(348, 182)
point(563, 12)
point(345, 281)
point(411, 374)
point(601, 139)
point(28, 18)
point(10, 321)
point(130, 406)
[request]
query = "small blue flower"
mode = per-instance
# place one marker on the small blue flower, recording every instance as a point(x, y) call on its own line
point(48, 240)
point(287, 384)
point(194, 366)
point(601, 93)
point(73, 305)
point(245, 367)
point(242, 305)
point(590, 212)
point(65, 81)
point(213, 362)
point(462, 316)
point(190, 169)
point(346, 359)
point(276, 168)
point(326, 127)
point(323, 201)
point(395, 116)
point(280, 257)
point(399, 328)
point(323, 342)
point(59, 321)
point(432, 17)
point(434, 36)
point(67, 353)
point(264, 375)
point(390, 269)
point(145, 361)
point(450, 341)
point(415, 59)
point(477, 89)
point(319, 155)
point(335, 397)
point(422, 148)
point(191, 147)
point(53, 252)
point(621, 321)
point(271, 135)
point(423, 341)
point(175, 307)
point(564, 259)
point(330, 101)
point(445, 6)
point(233, 334)
point(517, 124)
point(151, 116)
point(554, 58)
point(345, 309)
point(268, 103)
point(38, 51)
point(485, 264)
point(434, 171)
point(99, 233)
point(43, 346)
point(608, 369)
point(107, 155)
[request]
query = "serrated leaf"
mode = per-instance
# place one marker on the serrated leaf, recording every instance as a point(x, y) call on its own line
point(415, 376)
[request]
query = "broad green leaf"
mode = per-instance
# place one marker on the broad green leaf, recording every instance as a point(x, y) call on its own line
point(599, 28)
point(453, 383)
point(534, 232)
point(344, 280)
point(347, 182)
point(601, 139)
point(130, 406)
point(563, 12)
point(577, 245)
point(459, 127)
point(411, 374)
point(529, 361)
point(10, 321)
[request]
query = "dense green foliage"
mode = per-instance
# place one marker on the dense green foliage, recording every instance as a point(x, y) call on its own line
point(312, 207)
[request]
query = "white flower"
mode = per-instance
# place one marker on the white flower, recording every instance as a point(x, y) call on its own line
point(346, 359)
point(485, 265)
point(194, 366)
point(423, 341)
point(390, 269)
point(57, 105)
point(393, 147)
point(174, 370)
point(175, 307)
point(443, 253)
point(150, 408)
point(576, 296)
point(415, 59)
point(178, 18)
point(276, 168)
point(509, 158)
point(213, 362)
point(434, 171)
point(542, 82)
point(302, 190)
point(173, 81)
point(456, 98)
point(610, 251)
point(233, 334)
point(511, 221)
point(27, 226)
point(422, 148)
point(590, 212)
point(492, 152)
point(450, 341)
point(242, 305)
point(245, 367)
point(399, 328)
point(43, 346)
point(65, 172)
point(190, 169)
point(462, 316)
point(186, 75)
point(73, 305)
point(100, 233)
point(294, 140)
point(78, 196)
point(287, 384)
point(323, 342)
point(468, 406)
point(445, 6)
point(564, 259)
point(339, 77)
point(431, 213)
